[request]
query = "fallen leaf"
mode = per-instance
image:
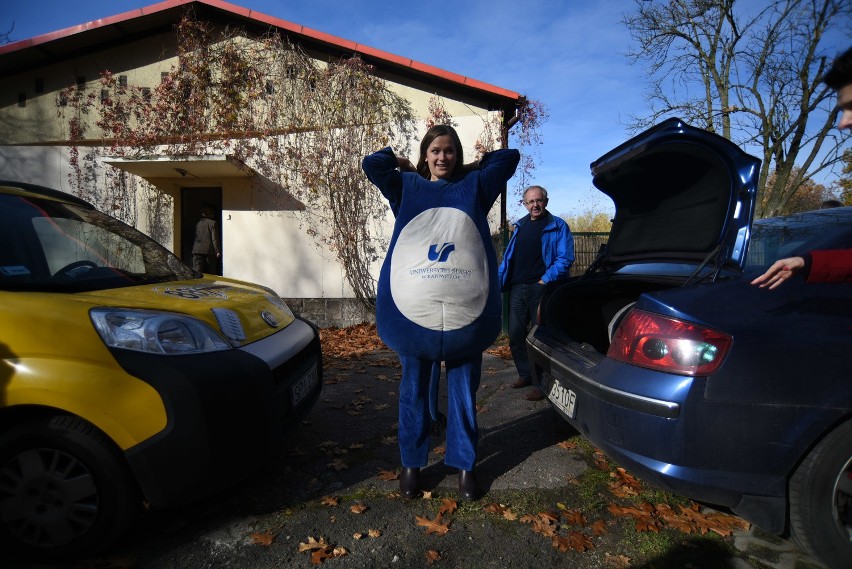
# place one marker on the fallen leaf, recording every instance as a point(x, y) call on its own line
point(374, 533)
point(388, 475)
point(618, 561)
point(567, 444)
point(357, 535)
point(313, 544)
point(320, 555)
point(448, 506)
point(433, 526)
point(574, 541)
point(573, 518)
point(338, 465)
point(358, 508)
point(427, 494)
point(495, 509)
point(264, 538)
point(432, 556)
point(598, 527)
point(330, 500)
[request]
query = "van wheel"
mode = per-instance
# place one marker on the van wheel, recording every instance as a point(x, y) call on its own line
point(64, 488)
point(821, 499)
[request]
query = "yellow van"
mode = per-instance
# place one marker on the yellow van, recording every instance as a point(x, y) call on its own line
point(126, 378)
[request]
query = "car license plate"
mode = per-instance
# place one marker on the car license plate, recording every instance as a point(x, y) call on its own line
point(304, 386)
point(563, 398)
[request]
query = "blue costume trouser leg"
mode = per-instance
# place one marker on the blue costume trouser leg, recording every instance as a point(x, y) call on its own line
point(462, 433)
point(523, 305)
point(414, 419)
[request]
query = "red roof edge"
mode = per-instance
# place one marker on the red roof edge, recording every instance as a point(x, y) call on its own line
point(274, 22)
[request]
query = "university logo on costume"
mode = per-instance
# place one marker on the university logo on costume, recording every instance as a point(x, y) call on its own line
point(443, 289)
point(441, 254)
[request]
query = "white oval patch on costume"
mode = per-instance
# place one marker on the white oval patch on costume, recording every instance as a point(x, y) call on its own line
point(439, 271)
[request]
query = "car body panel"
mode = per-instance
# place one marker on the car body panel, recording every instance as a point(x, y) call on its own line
point(733, 438)
point(187, 423)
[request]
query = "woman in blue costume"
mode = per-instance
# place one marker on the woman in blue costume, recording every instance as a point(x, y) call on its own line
point(438, 297)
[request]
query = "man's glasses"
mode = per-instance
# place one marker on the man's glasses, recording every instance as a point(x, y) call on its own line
point(533, 202)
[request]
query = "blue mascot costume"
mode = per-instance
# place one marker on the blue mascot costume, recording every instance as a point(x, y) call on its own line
point(438, 297)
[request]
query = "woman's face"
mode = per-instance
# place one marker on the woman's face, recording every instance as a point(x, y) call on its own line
point(441, 157)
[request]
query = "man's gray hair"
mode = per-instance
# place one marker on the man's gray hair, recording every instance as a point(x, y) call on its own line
point(543, 191)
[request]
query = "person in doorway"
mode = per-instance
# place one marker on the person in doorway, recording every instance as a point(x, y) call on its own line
point(833, 265)
point(437, 298)
point(206, 250)
point(540, 250)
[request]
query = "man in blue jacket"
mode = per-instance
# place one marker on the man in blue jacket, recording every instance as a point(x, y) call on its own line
point(540, 250)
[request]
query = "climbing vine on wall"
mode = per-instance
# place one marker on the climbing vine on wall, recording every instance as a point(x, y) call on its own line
point(302, 123)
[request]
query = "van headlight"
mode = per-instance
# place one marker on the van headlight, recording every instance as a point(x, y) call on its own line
point(155, 332)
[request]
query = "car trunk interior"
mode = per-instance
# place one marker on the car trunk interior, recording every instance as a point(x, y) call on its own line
point(589, 309)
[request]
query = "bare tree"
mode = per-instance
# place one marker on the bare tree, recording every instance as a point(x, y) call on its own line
point(750, 72)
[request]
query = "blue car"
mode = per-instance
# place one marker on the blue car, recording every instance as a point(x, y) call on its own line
point(666, 358)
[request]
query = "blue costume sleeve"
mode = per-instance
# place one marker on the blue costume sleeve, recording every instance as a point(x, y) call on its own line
point(381, 170)
point(495, 170)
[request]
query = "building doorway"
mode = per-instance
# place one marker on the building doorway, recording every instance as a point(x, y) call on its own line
point(192, 200)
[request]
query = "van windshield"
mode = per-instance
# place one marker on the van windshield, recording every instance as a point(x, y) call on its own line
point(56, 246)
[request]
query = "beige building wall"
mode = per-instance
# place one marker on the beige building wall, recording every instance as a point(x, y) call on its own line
point(262, 242)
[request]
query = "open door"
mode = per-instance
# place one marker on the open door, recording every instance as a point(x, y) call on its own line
point(192, 200)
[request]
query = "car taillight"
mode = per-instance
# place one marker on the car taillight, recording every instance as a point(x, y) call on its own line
point(667, 344)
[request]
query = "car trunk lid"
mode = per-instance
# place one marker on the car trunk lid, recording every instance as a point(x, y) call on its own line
point(681, 195)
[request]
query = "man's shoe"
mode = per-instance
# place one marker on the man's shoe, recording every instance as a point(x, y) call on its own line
point(468, 487)
point(408, 482)
point(534, 394)
point(521, 382)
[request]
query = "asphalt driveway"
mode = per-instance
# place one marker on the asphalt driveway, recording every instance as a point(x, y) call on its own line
point(330, 498)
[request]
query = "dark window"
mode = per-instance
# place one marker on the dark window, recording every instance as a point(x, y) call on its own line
point(22, 99)
point(270, 88)
point(146, 93)
point(122, 80)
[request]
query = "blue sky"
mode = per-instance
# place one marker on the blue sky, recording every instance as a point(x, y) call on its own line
point(568, 54)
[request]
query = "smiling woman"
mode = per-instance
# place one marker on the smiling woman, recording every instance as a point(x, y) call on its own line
point(434, 308)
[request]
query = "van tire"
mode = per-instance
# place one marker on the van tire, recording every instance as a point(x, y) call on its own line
point(65, 490)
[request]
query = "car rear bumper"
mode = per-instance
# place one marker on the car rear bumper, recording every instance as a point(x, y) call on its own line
point(227, 411)
point(647, 435)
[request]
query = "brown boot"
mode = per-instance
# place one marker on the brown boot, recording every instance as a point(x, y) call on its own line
point(534, 394)
point(521, 382)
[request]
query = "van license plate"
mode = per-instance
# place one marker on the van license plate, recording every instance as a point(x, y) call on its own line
point(304, 386)
point(563, 398)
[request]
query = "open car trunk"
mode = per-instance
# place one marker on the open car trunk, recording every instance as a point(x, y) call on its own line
point(588, 311)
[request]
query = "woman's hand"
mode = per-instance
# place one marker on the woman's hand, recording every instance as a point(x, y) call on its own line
point(405, 164)
point(780, 271)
